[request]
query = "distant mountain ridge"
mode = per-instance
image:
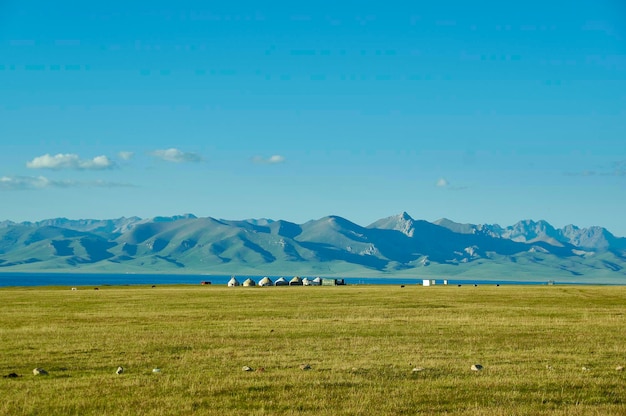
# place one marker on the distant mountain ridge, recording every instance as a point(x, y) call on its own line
point(394, 246)
point(592, 238)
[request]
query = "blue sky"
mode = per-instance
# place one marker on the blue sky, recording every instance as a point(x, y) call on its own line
point(481, 112)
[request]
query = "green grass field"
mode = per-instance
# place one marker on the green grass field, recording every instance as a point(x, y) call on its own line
point(546, 350)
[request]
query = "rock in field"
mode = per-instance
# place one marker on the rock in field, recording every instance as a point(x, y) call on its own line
point(40, 372)
point(476, 367)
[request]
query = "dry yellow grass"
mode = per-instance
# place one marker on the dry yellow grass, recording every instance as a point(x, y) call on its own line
point(361, 342)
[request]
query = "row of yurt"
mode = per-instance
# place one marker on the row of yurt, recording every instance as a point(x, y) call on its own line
point(281, 281)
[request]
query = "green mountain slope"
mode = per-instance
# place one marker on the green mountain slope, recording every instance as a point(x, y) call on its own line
point(393, 246)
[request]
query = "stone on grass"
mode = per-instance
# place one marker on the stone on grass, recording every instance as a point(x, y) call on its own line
point(476, 367)
point(40, 372)
point(246, 368)
point(619, 368)
point(119, 370)
point(417, 369)
point(305, 367)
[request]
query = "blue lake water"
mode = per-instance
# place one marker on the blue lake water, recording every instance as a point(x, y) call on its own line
point(97, 279)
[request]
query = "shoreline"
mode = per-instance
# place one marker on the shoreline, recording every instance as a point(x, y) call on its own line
point(56, 279)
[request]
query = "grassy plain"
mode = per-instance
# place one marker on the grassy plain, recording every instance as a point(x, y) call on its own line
point(546, 350)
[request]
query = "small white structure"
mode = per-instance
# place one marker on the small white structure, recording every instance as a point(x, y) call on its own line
point(266, 281)
point(317, 281)
point(281, 281)
point(296, 281)
point(233, 282)
point(428, 282)
point(249, 282)
point(332, 282)
point(306, 281)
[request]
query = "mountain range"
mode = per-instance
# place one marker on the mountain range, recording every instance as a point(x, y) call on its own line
point(396, 246)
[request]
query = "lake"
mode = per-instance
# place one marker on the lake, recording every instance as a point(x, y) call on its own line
point(102, 279)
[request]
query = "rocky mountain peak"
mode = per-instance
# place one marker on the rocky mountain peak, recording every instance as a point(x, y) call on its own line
point(401, 222)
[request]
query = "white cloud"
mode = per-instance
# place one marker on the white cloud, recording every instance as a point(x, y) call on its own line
point(176, 156)
point(126, 155)
point(276, 159)
point(442, 183)
point(272, 160)
point(10, 183)
point(69, 161)
point(17, 183)
point(98, 162)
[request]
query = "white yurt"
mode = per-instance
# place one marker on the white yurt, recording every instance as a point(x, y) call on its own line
point(233, 282)
point(266, 281)
point(296, 281)
point(306, 281)
point(249, 282)
point(281, 282)
point(317, 281)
